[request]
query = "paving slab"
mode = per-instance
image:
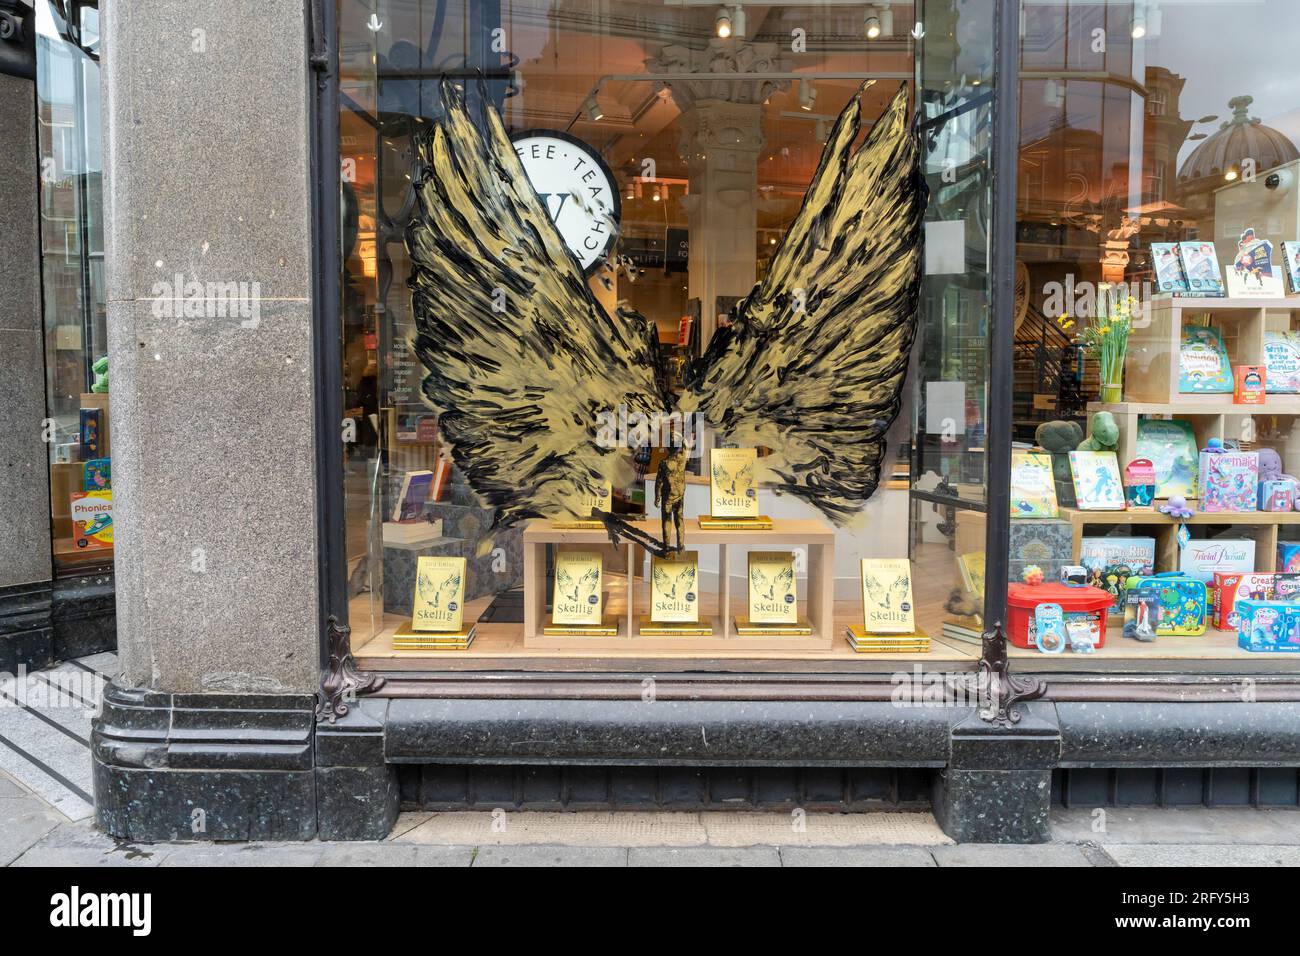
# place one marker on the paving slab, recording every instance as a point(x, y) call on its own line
point(1177, 825)
point(999, 854)
point(393, 854)
point(856, 856)
point(884, 828)
point(524, 827)
point(80, 845)
point(550, 856)
point(1216, 855)
point(23, 821)
point(243, 854)
point(704, 856)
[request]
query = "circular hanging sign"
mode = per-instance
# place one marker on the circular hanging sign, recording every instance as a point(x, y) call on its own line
point(577, 189)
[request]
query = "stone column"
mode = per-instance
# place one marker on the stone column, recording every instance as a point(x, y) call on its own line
point(25, 631)
point(208, 178)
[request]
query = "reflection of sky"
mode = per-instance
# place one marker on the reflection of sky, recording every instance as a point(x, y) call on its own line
point(1227, 48)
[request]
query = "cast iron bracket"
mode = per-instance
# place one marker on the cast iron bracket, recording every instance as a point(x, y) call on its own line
point(999, 690)
point(342, 682)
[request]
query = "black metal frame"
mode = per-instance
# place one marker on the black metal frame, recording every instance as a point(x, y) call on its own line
point(1000, 692)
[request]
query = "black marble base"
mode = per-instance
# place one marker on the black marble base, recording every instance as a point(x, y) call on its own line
point(357, 794)
point(84, 615)
point(26, 634)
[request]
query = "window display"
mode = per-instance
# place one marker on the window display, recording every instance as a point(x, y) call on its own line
point(1150, 223)
point(650, 300)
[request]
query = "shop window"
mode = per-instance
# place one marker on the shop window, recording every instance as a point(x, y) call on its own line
point(696, 142)
point(1163, 327)
point(72, 269)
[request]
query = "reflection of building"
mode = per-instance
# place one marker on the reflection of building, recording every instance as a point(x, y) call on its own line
point(1240, 153)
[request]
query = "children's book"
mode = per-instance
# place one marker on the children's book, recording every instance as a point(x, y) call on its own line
point(602, 499)
point(887, 596)
point(1201, 266)
point(92, 520)
point(1097, 484)
point(91, 433)
point(577, 596)
point(772, 594)
point(1228, 481)
point(732, 485)
point(1111, 561)
point(971, 567)
point(1171, 447)
point(416, 486)
point(1203, 364)
point(1281, 362)
point(439, 593)
point(674, 594)
point(1033, 491)
point(1168, 267)
point(1291, 266)
point(1252, 268)
point(97, 475)
point(1200, 559)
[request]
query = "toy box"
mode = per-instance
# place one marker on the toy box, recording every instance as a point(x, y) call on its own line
point(1288, 556)
point(1268, 626)
point(1258, 586)
point(1229, 480)
point(1022, 599)
point(1183, 602)
point(1276, 495)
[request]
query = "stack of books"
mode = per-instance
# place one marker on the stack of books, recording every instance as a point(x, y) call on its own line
point(917, 642)
point(406, 639)
point(964, 630)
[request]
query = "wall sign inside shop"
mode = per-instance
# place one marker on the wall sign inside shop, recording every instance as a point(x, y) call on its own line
point(577, 189)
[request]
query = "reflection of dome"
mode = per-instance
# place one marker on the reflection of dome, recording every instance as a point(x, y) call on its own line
point(1242, 138)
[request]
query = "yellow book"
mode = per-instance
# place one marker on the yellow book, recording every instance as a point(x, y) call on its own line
point(582, 509)
point(887, 596)
point(576, 598)
point(732, 484)
point(439, 594)
point(673, 593)
point(772, 594)
point(971, 567)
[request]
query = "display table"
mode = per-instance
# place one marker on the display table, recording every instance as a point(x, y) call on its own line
point(817, 593)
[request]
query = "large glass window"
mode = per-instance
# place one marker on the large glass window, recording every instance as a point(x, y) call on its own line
point(1158, 155)
point(72, 269)
point(688, 135)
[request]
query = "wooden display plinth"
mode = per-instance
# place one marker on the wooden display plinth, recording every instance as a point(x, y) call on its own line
point(710, 523)
point(817, 536)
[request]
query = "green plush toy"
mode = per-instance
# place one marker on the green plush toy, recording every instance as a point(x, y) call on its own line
point(1104, 434)
point(1060, 438)
point(100, 368)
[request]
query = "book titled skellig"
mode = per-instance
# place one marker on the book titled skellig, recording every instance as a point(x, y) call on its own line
point(576, 598)
point(439, 594)
point(732, 485)
point(887, 596)
point(673, 594)
point(772, 594)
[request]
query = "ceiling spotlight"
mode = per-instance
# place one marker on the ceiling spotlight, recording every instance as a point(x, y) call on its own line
point(872, 23)
point(807, 95)
point(656, 195)
point(738, 21)
point(1231, 173)
point(819, 130)
point(722, 24)
point(592, 108)
point(1139, 26)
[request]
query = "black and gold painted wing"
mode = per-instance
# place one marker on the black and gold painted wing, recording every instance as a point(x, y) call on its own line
point(521, 359)
point(814, 362)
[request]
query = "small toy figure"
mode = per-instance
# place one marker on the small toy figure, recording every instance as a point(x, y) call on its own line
point(1176, 507)
point(1140, 484)
point(1074, 575)
point(1214, 447)
point(1049, 628)
point(1103, 434)
point(1032, 575)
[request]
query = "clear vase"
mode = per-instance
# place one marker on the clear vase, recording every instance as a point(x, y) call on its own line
point(1112, 392)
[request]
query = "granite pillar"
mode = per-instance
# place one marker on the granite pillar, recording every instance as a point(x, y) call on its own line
point(208, 178)
point(25, 635)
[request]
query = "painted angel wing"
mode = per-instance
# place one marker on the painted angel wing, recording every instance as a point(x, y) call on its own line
point(813, 365)
point(587, 583)
point(563, 578)
point(784, 581)
point(685, 579)
point(662, 582)
point(522, 361)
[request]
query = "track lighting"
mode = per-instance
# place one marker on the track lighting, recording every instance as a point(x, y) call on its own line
point(1139, 25)
point(807, 95)
point(872, 23)
point(591, 107)
point(722, 24)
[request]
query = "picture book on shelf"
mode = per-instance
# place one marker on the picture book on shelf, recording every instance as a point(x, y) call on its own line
point(733, 489)
point(1201, 268)
point(92, 520)
point(1111, 561)
point(1291, 266)
point(1281, 362)
point(1168, 267)
point(674, 596)
point(1033, 491)
point(97, 475)
point(1228, 481)
point(439, 603)
point(1202, 558)
point(1252, 268)
point(577, 596)
point(1203, 364)
point(772, 594)
point(1097, 485)
point(1170, 444)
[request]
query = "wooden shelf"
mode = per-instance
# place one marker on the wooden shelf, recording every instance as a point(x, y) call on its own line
point(1201, 405)
point(1078, 516)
